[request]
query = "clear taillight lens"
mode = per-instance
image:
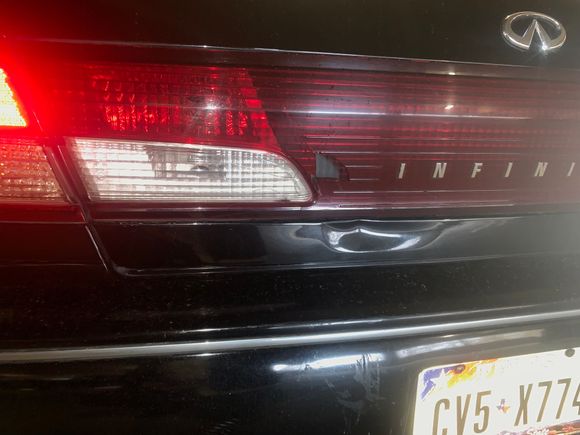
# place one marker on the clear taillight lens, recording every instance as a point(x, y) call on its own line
point(140, 171)
point(25, 174)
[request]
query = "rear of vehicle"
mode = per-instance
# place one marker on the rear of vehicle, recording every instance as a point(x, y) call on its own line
point(321, 218)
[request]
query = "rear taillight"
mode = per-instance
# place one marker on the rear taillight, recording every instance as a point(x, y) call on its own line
point(10, 111)
point(165, 134)
point(26, 176)
point(208, 131)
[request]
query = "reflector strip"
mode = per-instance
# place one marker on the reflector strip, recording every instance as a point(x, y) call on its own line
point(368, 140)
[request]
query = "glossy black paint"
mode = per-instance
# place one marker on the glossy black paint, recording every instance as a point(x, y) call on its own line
point(55, 307)
point(46, 243)
point(145, 247)
point(423, 29)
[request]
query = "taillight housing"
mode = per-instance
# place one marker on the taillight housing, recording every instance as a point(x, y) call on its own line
point(29, 185)
point(151, 132)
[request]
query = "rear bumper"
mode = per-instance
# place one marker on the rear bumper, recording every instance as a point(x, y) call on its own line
point(363, 385)
point(298, 351)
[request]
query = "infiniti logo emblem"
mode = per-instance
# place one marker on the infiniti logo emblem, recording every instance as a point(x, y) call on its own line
point(549, 32)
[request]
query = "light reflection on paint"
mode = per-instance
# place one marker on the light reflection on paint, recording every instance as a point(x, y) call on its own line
point(332, 362)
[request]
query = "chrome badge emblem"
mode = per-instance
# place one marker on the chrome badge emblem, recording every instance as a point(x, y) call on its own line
point(551, 35)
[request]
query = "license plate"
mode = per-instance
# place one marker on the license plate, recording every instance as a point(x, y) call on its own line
point(526, 394)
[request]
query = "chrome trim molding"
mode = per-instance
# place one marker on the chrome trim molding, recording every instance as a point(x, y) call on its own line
point(204, 347)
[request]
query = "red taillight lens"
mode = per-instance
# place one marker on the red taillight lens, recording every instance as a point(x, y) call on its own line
point(400, 140)
point(206, 105)
point(206, 137)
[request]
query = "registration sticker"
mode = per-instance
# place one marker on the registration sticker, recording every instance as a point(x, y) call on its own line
point(535, 394)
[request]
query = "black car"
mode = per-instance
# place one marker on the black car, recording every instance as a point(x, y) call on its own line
point(330, 217)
